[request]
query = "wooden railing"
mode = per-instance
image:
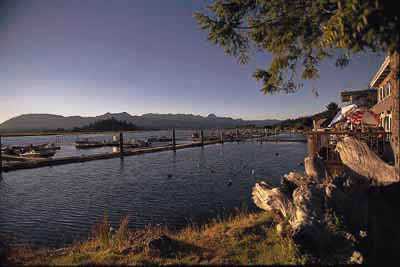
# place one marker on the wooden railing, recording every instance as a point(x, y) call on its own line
point(324, 143)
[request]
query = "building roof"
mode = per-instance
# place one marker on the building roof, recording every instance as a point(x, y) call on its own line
point(382, 73)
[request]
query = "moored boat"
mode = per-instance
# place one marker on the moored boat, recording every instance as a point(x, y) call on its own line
point(85, 144)
point(195, 135)
point(39, 153)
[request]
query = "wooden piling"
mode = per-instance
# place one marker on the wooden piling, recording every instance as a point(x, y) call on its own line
point(237, 134)
point(121, 145)
point(202, 137)
point(222, 137)
point(173, 140)
point(1, 159)
point(276, 136)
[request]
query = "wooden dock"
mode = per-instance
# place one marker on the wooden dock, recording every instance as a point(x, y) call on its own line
point(19, 163)
point(31, 164)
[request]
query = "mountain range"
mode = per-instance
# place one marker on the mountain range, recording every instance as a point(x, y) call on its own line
point(33, 122)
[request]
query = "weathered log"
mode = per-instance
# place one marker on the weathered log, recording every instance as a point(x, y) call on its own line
point(272, 199)
point(316, 168)
point(304, 213)
point(297, 179)
point(359, 158)
point(307, 207)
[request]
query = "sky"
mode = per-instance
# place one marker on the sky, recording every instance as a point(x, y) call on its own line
point(90, 57)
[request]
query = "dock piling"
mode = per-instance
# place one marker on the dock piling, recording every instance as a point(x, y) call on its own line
point(121, 145)
point(202, 137)
point(173, 139)
point(222, 137)
point(1, 160)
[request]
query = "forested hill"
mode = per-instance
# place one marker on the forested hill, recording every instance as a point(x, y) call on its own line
point(307, 121)
point(28, 122)
point(108, 125)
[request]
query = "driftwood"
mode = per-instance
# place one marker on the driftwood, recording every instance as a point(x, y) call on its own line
point(308, 208)
point(357, 156)
point(322, 210)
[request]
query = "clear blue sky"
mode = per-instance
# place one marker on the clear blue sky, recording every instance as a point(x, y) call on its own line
point(140, 56)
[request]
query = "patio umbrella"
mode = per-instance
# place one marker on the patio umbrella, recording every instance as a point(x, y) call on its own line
point(363, 117)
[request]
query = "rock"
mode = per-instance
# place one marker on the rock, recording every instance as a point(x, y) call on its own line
point(162, 243)
point(350, 237)
point(363, 234)
point(356, 258)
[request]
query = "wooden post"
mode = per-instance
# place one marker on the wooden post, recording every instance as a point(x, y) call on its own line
point(237, 134)
point(276, 136)
point(173, 139)
point(202, 137)
point(1, 159)
point(121, 145)
point(222, 137)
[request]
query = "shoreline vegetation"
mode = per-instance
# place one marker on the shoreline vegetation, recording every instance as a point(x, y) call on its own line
point(241, 238)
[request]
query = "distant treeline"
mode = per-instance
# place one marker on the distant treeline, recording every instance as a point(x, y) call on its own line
point(307, 121)
point(108, 125)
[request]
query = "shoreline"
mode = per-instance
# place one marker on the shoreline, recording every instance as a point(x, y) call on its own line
point(219, 241)
point(27, 134)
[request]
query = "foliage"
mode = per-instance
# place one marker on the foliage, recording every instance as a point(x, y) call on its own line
point(300, 34)
point(307, 122)
point(111, 124)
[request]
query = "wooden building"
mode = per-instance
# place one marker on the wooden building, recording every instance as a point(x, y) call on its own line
point(366, 98)
point(386, 82)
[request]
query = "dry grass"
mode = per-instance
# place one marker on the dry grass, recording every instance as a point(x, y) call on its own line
point(242, 238)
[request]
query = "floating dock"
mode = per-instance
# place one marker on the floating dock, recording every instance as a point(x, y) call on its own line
point(30, 164)
point(19, 163)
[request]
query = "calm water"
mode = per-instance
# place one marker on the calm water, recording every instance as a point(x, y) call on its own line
point(54, 206)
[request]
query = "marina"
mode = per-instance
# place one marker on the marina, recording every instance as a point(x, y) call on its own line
point(27, 157)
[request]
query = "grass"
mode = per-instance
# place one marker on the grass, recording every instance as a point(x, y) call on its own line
point(242, 238)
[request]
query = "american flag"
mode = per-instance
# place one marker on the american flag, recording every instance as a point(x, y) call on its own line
point(367, 117)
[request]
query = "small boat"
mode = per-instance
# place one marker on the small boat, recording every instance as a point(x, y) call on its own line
point(153, 139)
point(53, 146)
point(164, 139)
point(39, 153)
point(139, 143)
point(85, 144)
point(4, 148)
point(195, 135)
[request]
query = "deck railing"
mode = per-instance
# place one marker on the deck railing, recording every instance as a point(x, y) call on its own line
point(324, 143)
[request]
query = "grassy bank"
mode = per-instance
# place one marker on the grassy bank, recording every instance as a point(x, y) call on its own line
point(243, 238)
